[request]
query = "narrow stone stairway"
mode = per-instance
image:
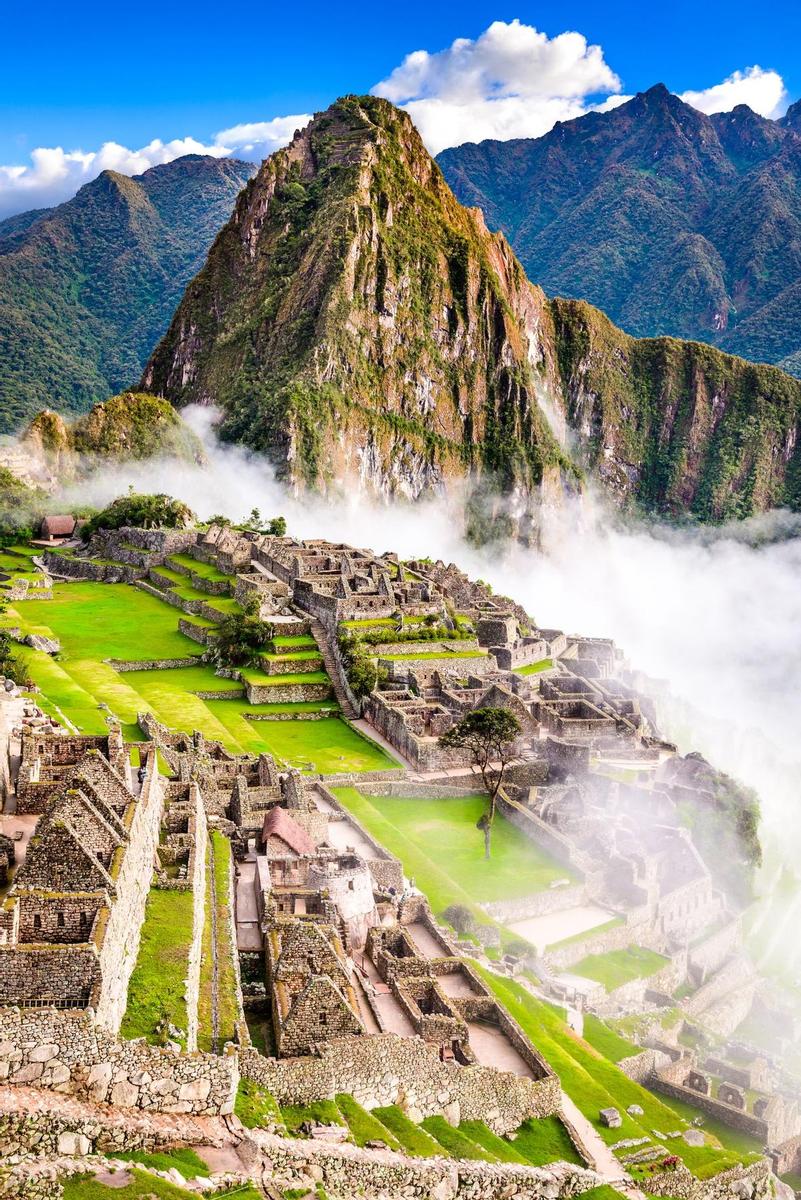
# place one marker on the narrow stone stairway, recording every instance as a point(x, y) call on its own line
point(333, 669)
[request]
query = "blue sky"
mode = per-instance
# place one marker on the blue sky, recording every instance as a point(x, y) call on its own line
point(77, 76)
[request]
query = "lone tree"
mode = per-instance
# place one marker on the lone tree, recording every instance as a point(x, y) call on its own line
point(489, 735)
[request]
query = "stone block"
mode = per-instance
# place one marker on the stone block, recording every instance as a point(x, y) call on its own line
point(28, 1074)
point(124, 1094)
point(43, 1054)
point(197, 1089)
point(611, 1118)
point(73, 1143)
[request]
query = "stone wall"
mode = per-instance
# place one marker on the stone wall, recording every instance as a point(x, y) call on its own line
point(287, 693)
point(120, 944)
point(153, 664)
point(197, 874)
point(69, 1052)
point(738, 1183)
point(388, 1069)
point(554, 899)
point(345, 1171)
point(711, 953)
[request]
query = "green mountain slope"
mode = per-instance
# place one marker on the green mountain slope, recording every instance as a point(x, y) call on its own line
point(355, 322)
point(87, 289)
point(671, 221)
point(352, 318)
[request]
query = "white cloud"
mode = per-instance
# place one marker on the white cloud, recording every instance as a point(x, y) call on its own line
point(258, 139)
point(761, 90)
point(512, 81)
point(54, 174)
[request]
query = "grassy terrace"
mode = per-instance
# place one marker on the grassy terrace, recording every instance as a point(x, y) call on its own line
point(535, 1143)
point(157, 986)
point(145, 1186)
point(544, 664)
point(616, 967)
point(202, 569)
point(218, 894)
point(457, 872)
point(97, 621)
point(593, 1082)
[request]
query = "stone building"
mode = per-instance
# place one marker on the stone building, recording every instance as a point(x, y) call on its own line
point(69, 926)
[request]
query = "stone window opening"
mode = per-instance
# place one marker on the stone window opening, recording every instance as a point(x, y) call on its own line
point(37, 921)
point(60, 920)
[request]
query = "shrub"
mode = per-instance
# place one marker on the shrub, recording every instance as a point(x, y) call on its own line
point(143, 512)
point(242, 638)
point(460, 917)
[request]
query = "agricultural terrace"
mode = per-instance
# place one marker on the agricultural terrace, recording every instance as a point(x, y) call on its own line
point(97, 622)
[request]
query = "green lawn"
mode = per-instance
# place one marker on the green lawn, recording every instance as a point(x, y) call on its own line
point(459, 873)
point(617, 967)
point(157, 985)
point(326, 745)
point(101, 620)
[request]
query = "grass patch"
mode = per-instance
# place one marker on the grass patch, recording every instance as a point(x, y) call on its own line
point(256, 1107)
point(319, 1112)
point(616, 967)
point(158, 982)
point(412, 1138)
point(606, 1041)
point(454, 1142)
point(544, 664)
point(496, 1147)
point(544, 1141)
point(186, 1160)
point(364, 1127)
point(143, 1185)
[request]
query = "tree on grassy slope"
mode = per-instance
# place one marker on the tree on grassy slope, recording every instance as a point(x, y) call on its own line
point(489, 735)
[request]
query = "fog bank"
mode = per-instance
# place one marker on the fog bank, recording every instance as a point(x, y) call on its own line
point(713, 615)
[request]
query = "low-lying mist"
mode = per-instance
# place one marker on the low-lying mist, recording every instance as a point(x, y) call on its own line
point(712, 616)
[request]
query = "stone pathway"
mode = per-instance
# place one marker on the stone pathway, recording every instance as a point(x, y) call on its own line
point(248, 930)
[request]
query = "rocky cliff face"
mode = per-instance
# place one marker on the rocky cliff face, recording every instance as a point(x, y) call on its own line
point(354, 321)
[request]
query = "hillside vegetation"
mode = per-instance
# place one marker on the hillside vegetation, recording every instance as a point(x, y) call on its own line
point(87, 289)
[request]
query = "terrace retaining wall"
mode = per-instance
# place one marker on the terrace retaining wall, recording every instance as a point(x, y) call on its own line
point(388, 1069)
point(345, 1171)
point(68, 1052)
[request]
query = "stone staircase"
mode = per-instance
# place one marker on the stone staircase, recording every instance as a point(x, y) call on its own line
point(334, 670)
